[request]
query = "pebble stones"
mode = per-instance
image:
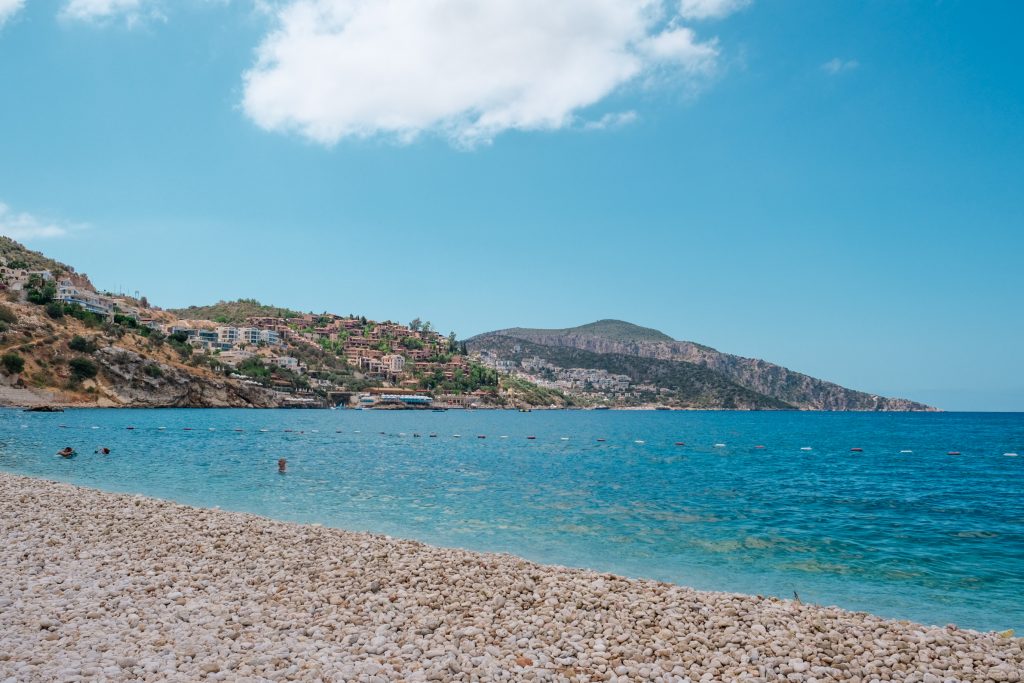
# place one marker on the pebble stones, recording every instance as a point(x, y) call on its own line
point(99, 586)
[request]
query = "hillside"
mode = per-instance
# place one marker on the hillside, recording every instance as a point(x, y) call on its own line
point(47, 360)
point(761, 377)
point(233, 312)
point(614, 330)
point(17, 255)
point(63, 343)
point(652, 381)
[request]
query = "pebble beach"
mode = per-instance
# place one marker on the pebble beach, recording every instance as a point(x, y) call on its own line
point(102, 586)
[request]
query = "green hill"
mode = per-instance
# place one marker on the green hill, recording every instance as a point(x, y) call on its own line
point(613, 330)
point(233, 312)
point(19, 256)
point(679, 384)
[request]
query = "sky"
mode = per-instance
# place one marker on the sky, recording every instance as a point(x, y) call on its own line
point(837, 187)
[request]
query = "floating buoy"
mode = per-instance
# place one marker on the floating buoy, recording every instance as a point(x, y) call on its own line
point(503, 436)
point(211, 429)
point(238, 430)
point(906, 451)
point(264, 430)
point(759, 446)
point(480, 436)
point(94, 426)
point(129, 427)
point(1010, 455)
point(433, 436)
point(160, 429)
point(186, 429)
point(358, 431)
point(456, 436)
point(640, 441)
point(601, 440)
point(805, 448)
point(531, 437)
point(314, 431)
point(857, 450)
point(565, 438)
point(680, 443)
point(719, 445)
point(953, 453)
point(415, 435)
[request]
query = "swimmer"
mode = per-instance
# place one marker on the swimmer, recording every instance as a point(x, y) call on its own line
point(282, 465)
point(103, 450)
point(66, 452)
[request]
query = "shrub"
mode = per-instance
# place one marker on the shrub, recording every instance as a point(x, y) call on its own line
point(153, 370)
point(55, 310)
point(80, 343)
point(7, 315)
point(13, 363)
point(83, 368)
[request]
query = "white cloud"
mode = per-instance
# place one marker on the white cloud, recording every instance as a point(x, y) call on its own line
point(612, 120)
point(8, 8)
point(710, 9)
point(99, 11)
point(836, 66)
point(465, 69)
point(24, 226)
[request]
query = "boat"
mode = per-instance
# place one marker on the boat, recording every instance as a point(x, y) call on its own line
point(524, 410)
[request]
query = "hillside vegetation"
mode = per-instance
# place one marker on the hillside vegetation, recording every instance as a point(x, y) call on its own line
point(18, 256)
point(233, 312)
point(614, 330)
point(686, 385)
point(606, 339)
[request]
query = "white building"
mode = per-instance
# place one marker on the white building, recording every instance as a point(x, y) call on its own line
point(269, 337)
point(393, 363)
point(227, 335)
point(69, 293)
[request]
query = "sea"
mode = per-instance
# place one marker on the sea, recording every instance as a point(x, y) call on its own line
point(914, 516)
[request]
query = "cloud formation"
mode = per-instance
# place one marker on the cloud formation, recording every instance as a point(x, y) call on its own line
point(466, 70)
point(710, 9)
point(8, 8)
point(98, 11)
point(23, 226)
point(836, 66)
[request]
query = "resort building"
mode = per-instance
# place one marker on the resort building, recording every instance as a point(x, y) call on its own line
point(69, 293)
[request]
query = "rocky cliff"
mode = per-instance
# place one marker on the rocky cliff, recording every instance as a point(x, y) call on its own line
point(793, 388)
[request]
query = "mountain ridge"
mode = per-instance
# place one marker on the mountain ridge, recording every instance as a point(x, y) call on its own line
point(794, 388)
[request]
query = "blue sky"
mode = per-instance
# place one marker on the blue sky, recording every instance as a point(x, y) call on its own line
point(834, 186)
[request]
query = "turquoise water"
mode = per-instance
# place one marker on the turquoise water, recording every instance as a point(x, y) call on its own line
point(922, 535)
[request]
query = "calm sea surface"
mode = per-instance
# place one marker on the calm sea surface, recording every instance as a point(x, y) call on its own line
point(919, 535)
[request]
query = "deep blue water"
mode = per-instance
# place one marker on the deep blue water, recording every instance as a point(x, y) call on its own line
point(922, 535)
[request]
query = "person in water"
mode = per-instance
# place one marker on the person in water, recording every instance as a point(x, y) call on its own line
point(103, 450)
point(282, 465)
point(66, 452)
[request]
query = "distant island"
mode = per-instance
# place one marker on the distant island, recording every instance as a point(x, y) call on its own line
point(63, 343)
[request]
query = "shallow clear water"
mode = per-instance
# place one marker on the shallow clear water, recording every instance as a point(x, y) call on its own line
point(922, 535)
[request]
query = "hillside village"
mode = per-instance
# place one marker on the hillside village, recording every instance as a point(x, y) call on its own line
point(288, 358)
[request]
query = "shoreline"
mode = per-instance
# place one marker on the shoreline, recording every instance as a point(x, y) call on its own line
point(126, 587)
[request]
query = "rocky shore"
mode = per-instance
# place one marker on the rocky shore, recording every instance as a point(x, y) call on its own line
point(99, 586)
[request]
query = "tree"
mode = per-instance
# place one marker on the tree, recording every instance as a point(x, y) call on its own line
point(13, 363)
point(428, 326)
point(55, 310)
point(415, 324)
point(144, 302)
point(83, 368)
point(80, 343)
point(452, 346)
point(7, 315)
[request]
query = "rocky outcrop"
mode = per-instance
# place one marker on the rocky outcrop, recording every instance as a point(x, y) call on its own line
point(129, 379)
point(795, 388)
